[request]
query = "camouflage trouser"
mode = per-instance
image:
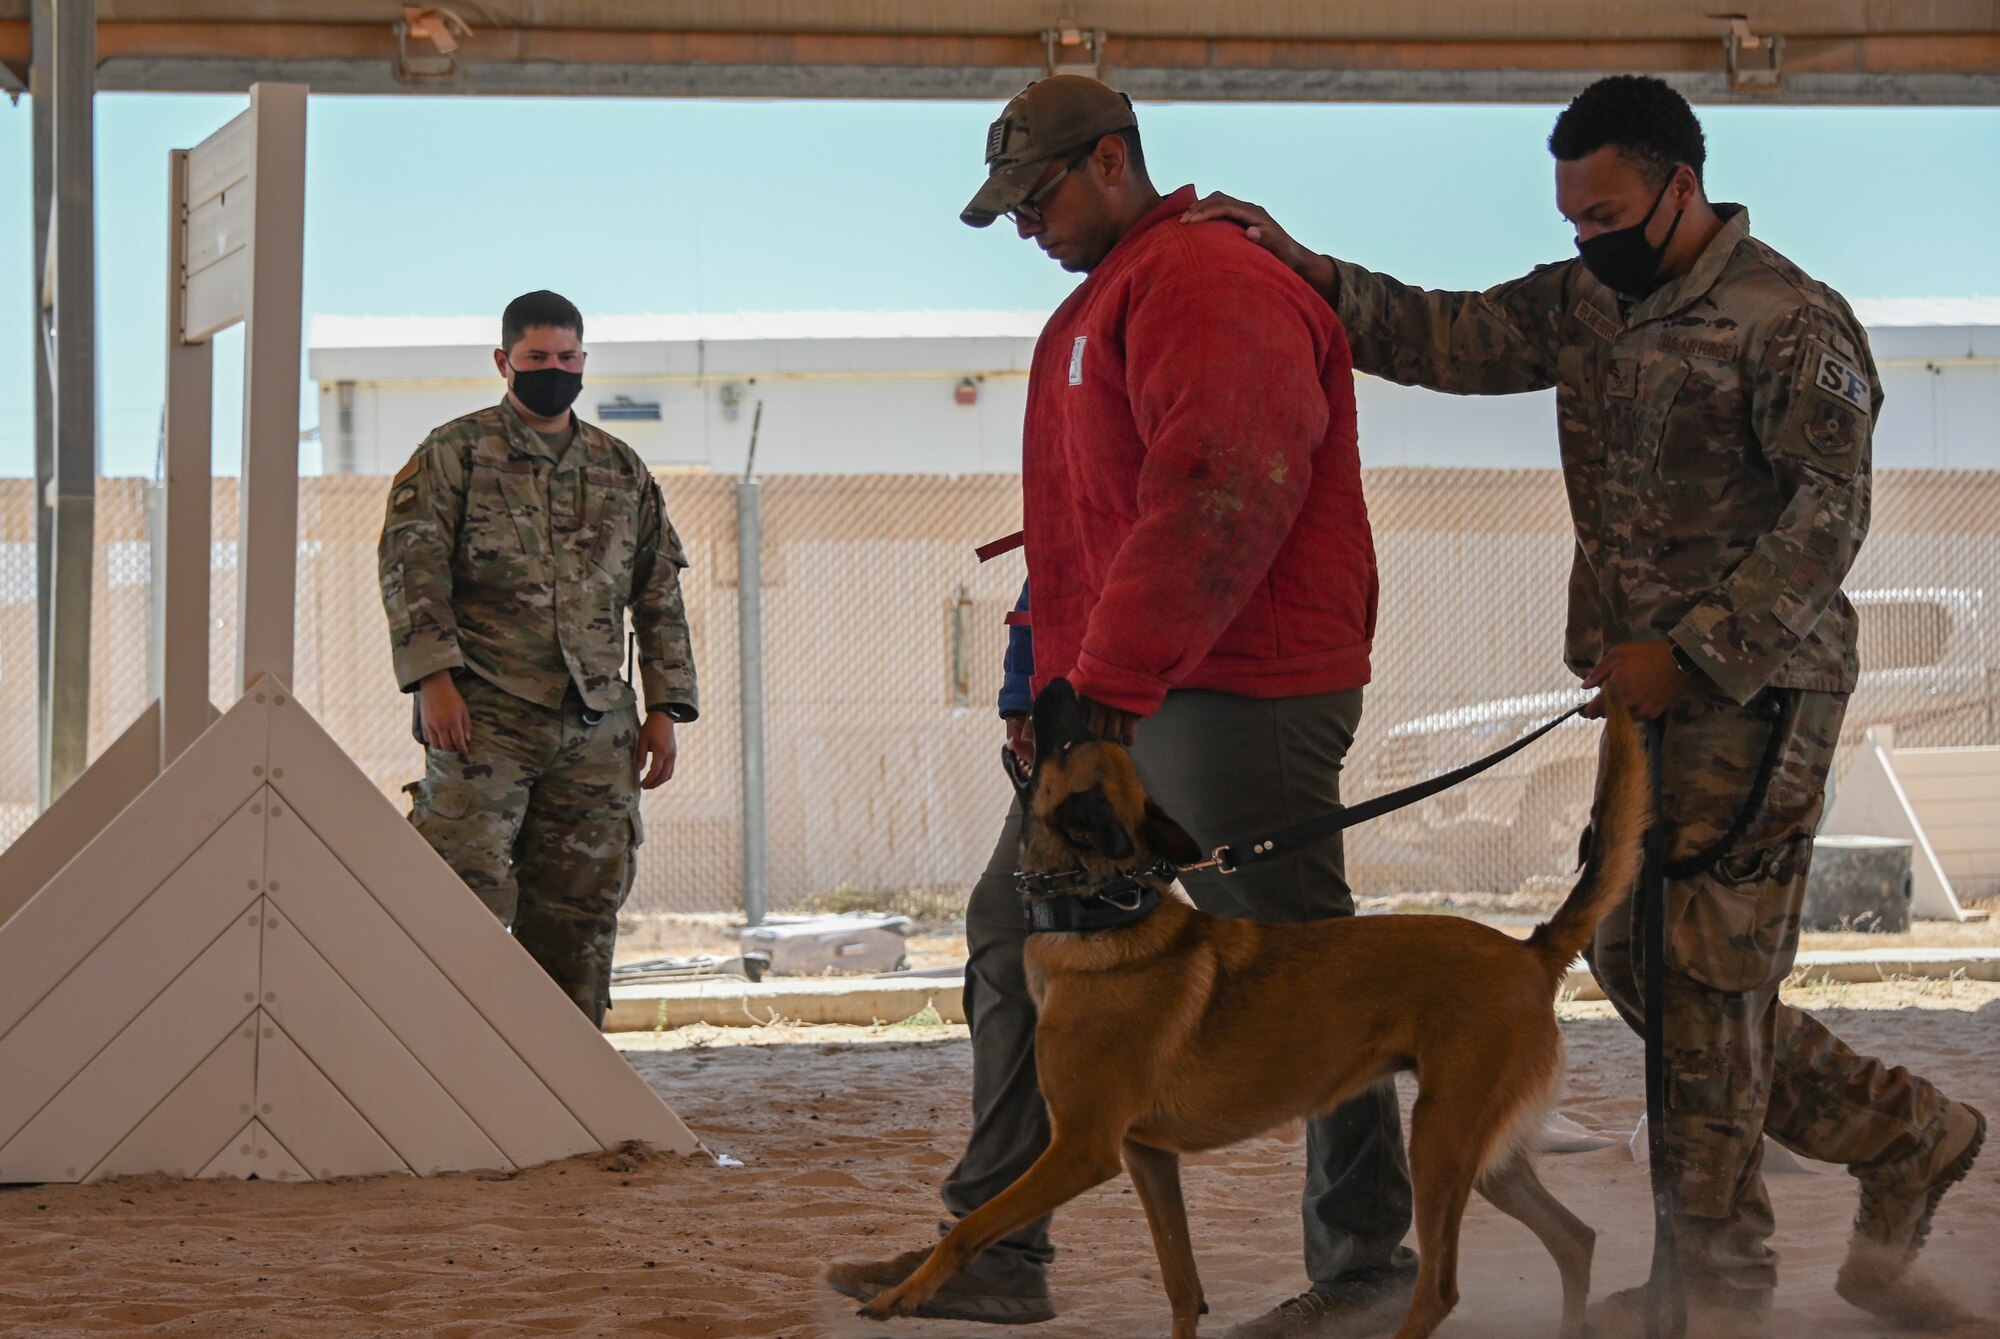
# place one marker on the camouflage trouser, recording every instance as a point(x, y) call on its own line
point(541, 820)
point(1740, 1063)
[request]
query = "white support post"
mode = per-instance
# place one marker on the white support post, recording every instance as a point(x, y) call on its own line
point(273, 259)
point(71, 504)
point(179, 661)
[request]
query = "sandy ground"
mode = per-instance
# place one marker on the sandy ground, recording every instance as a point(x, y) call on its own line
point(844, 1133)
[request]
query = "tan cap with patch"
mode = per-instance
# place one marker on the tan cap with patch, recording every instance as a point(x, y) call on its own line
point(1048, 118)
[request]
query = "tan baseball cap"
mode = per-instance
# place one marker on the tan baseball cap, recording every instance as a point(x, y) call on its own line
point(1048, 118)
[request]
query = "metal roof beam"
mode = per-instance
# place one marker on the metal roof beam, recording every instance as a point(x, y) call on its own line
point(347, 57)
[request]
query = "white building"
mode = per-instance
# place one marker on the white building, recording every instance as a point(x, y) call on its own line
point(843, 392)
point(944, 392)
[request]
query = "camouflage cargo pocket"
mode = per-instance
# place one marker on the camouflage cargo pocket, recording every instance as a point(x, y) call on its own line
point(1736, 928)
point(442, 799)
point(611, 510)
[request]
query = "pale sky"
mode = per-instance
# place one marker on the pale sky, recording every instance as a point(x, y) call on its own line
point(451, 206)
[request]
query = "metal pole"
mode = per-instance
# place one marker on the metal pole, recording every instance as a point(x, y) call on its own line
point(41, 80)
point(750, 659)
point(181, 546)
point(75, 500)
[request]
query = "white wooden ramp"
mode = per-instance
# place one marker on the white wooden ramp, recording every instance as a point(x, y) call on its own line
point(1944, 802)
point(259, 968)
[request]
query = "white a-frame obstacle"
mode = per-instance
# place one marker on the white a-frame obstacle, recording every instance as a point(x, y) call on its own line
point(223, 952)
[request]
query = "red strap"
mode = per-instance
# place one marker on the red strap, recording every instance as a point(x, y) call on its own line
point(1018, 618)
point(1006, 544)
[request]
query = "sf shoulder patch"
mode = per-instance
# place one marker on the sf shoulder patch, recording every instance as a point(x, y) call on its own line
point(1838, 378)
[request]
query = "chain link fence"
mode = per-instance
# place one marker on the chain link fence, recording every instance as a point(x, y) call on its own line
point(882, 645)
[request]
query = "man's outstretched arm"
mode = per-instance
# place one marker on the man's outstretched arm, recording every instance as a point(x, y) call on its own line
point(1500, 342)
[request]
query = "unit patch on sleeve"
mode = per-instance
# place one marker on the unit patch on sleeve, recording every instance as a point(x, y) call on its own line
point(1834, 430)
point(1838, 378)
point(1076, 360)
point(404, 487)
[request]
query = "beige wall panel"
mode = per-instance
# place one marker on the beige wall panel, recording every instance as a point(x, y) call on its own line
point(1956, 795)
point(80, 812)
point(1942, 769)
point(1870, 802)
point(218, 229)
point(132, 856)
point(133, 970)
point(256, 1152)
point(377, 845)
point(220, 161)
point(316, 896)
point(217, 297)
point(366, 1062)
point(149, 1059)
point(301, 1107)
point(182, 1133)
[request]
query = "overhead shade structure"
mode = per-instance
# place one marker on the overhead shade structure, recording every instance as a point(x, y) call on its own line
point(1797, 51)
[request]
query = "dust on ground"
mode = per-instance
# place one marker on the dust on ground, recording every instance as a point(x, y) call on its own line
point(844, 1134)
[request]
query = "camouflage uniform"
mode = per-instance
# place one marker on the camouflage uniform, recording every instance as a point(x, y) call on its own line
point(512, 565)
point(1715, 446)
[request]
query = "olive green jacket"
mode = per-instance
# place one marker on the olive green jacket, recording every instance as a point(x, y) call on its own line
point(1715, 444)
point(500, 556)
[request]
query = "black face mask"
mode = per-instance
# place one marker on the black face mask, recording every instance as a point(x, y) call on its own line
point(1624, 261)
point(547, 391)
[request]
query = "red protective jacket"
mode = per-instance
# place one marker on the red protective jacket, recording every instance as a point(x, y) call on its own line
point(1192, 485)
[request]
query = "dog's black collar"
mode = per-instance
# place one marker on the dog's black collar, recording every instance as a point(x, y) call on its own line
point(1068, 901)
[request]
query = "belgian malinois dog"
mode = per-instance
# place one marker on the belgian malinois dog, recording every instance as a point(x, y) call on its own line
point(1182, 1032)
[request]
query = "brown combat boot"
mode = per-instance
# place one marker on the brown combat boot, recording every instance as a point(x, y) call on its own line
point(1897, 1204)
point(1359, 1305)
point(1622, 1315)
point(961, 1298)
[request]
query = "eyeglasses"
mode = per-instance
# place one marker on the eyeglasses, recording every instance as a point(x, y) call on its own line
point(1029, 211)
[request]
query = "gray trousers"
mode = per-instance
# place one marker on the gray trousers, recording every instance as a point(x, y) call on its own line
point(1226, 768)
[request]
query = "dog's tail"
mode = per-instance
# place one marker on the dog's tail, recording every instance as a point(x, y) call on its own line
point(1619, 820)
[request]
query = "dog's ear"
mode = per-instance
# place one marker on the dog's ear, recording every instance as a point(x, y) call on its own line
point(1059, 721)
point(1088, 820)
point(1168, 839)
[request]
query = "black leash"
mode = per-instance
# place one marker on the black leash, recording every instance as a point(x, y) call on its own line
point(1666, 1298)
point(1782, 705)
point(1229, 859)
point(1666, 1301)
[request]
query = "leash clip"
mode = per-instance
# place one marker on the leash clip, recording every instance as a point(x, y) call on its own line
point(1216, 861)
